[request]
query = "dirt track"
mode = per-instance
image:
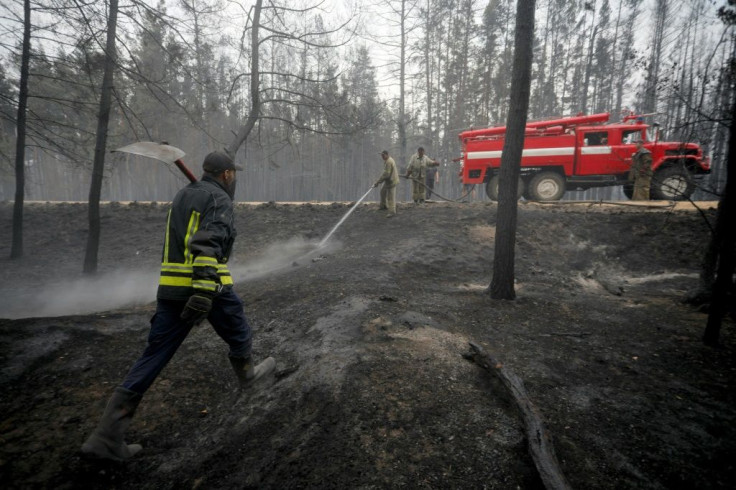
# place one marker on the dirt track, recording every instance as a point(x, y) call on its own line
point(372, 389)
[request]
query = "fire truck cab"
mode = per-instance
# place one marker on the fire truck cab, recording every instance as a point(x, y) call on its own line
point(579, 153)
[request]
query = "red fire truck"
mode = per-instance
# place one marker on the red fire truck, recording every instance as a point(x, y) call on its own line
point(579, 153)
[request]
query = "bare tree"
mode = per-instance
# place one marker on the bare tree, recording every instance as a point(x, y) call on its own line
point(276, 32)
point(16, 250)
point(723, 242)
point(661, 20)
point(725, 234)
point(403, 120)
point(502, 284)
point(255, 73)
point(93, 237)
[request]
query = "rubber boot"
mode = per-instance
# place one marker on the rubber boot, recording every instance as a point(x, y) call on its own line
point(106, 442)
point(247, 373)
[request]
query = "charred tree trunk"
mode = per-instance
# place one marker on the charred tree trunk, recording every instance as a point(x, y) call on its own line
point(502, 284)
point(98, 169)
point(723, 286)
point(16, 249)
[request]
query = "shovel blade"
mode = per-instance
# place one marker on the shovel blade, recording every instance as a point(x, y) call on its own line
point(151, 149)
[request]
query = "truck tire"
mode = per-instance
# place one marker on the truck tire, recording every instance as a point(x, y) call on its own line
point(546, 186)
point(672, 184)
point(492, 188)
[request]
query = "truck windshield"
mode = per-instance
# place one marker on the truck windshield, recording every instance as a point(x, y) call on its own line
point(629, 137)
point(597, 138)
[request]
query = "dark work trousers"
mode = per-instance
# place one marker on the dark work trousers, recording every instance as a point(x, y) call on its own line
point(429, 183)
point(168, 331)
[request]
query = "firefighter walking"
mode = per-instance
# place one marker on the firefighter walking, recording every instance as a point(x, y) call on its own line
point(390, 179)
point(195, 284)
point(641, 172)
point(417, 172)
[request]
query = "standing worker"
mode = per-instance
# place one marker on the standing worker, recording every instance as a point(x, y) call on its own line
point(390, 179)
point(194, 285)
point(641, 172)
point(431, 178)
point(417, 172)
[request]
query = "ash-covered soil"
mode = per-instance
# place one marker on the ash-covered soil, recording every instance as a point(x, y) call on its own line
point(372, 389)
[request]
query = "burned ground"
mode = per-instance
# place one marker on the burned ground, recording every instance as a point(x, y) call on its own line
point(372, 389)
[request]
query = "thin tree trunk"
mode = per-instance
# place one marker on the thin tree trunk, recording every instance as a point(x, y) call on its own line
point(614, 63)
point(588, 69)
point(16, 250)
point(723, 285)
point(402, 88)
point(255, 109)
point(650, 95)
point(502, 284)
point(103, 118)
point(428, 71)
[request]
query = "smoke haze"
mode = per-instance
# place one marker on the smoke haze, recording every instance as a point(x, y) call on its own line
point(110, 291)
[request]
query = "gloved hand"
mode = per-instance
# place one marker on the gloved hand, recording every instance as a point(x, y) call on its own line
point(375, 185)
point(197, 308)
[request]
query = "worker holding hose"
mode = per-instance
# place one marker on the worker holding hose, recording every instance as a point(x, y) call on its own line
point(417, 172)
point(390, 179)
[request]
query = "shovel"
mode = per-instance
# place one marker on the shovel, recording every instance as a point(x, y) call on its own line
point(159, 151)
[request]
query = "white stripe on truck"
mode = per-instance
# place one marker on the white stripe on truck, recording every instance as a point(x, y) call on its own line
point(544, 152)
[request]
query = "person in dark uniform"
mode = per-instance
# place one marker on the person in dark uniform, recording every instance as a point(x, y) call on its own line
point(194, 285)
point(430, 178)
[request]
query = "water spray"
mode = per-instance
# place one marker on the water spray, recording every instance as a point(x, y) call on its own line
point(84, 297)
point(324, 240)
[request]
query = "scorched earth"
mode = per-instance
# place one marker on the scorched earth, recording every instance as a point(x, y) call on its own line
point(373, 388)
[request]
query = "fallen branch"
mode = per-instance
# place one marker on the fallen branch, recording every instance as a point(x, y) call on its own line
point(540, 443)
point(635, 204)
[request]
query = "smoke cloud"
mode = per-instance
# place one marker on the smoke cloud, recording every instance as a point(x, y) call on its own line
point(110, 291)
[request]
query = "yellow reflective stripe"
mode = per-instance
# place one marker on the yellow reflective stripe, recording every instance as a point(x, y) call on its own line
point(174, 267)
point(206, 285)
point(185, 282)
point(204, 261)
point(192, 228)
point(166, 239)
point(177, 267)
point(181, 268)
point(173, 274)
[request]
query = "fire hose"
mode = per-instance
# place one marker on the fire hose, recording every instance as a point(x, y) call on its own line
point(460, 199)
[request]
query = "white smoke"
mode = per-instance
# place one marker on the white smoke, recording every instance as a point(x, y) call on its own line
point(113, 290)
point(82, 296)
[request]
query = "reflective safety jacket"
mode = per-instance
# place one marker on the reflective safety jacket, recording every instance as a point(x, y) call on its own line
point(200, 233)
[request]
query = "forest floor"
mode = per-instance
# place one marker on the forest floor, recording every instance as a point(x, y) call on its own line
point(372, 388)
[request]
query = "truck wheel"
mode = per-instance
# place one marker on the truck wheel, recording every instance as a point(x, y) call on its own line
point(546, 186)
point(492, 188)
point(672, 184)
